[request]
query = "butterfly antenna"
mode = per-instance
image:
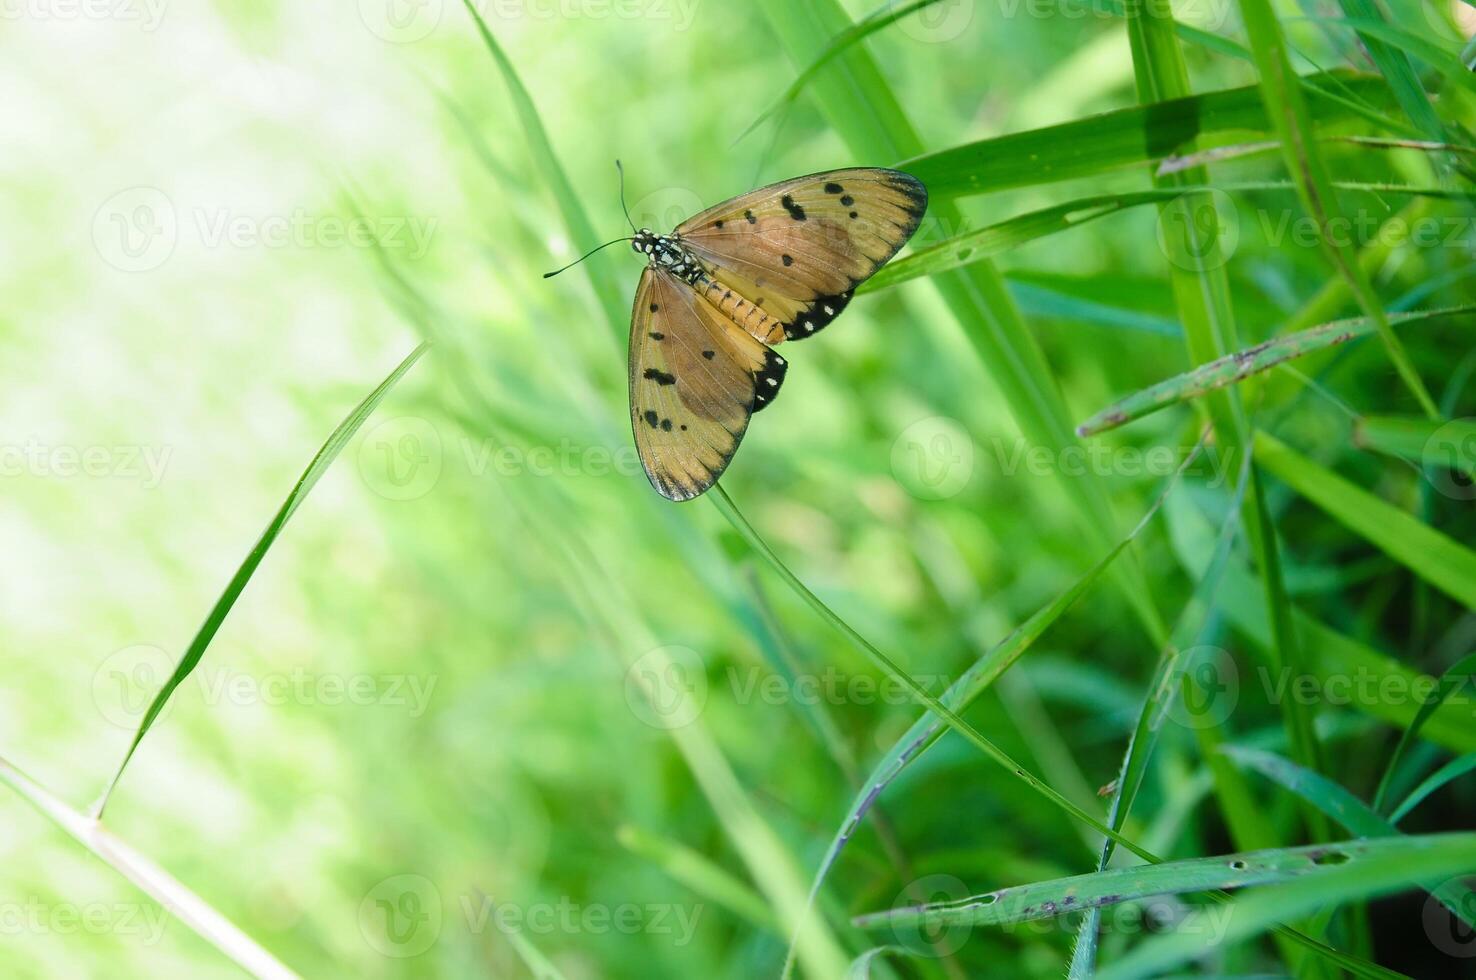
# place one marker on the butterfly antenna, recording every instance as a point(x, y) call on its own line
point(621, 170)
point(550, 275)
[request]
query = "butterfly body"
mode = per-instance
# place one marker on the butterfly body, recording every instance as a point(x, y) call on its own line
point(778, 263)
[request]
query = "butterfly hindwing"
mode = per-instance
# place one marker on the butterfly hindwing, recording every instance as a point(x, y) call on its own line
point(799, 248)
point(695, 380)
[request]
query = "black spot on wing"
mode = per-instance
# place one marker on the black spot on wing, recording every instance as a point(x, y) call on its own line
point(816, 316)
point(833, 188)
point(795, 211)
point(659, 376)
point(651, 418)
point(766, 380)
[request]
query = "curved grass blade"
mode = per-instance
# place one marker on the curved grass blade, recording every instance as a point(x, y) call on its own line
point(1458, 674)
point(697, 872)
point(1447, 61)
point(1353, 814)
point(153, 880)
point(1177, 164)
point(305, 483)
point(1047, 899)
point(926, 731)
point(861, 966)
point(1453, 769)
point(1236, 367)
point(1387, 870)
point(988, 242)
point(1123, 138)
point(1292, 117)
point(1435, 557)
point(1162, 690)
point(581, 232)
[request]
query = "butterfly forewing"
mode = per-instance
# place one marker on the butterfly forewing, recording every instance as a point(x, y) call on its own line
point(798, 249)
point(695, 379)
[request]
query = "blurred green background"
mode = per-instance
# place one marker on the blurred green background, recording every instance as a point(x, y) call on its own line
point(427, 702)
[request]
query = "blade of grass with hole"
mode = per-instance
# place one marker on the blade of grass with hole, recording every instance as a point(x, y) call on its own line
point(1386, 870)
point(1234, 368)
point(1292, 120)
point(1117, 140)
point(1047, 899)
point(1350, 812)
point(192, 910)
point(1433, 556)
point(305, 483)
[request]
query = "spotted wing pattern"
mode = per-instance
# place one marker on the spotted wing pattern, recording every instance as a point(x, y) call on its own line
point(695, 380)
point(798, 249)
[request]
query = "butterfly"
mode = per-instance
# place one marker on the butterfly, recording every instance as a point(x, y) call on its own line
point(728, 285)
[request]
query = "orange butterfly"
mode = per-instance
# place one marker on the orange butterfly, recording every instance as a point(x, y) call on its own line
point(775, 264)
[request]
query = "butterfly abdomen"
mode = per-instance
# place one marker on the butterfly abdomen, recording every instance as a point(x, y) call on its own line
point(747, 315)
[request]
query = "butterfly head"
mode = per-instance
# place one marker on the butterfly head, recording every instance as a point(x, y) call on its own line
point(666, 251)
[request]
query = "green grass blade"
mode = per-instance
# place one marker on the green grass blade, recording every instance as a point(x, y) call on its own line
point(991, 241)
point(1331, 655)
point(697, 872)
point(1292, 119)
point(1433, 556)
point(1236, 367)
point(1118, 139)
point(581, 233)
point(1458, 674)
point(1400, 43)
point(1351, 813)
point(1454, 769)
point(1420, 440)
point(1381, 873)
point(1396, 68)
point(305, 483)
point(1047, 899)
point(197, 914)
